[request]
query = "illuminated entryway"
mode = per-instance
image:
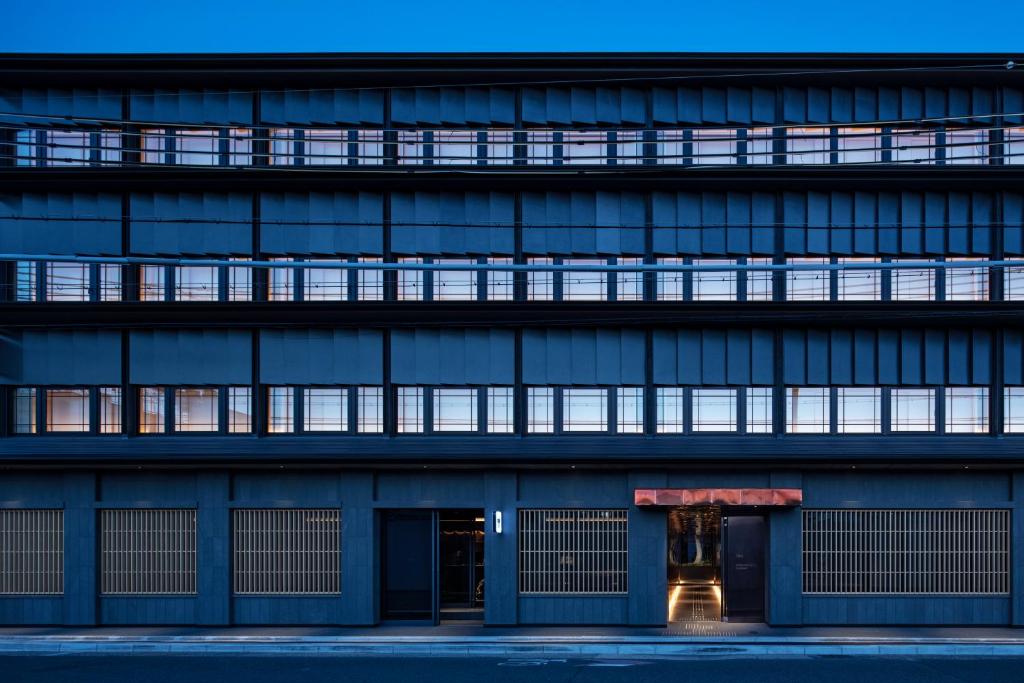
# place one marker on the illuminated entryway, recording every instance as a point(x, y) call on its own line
point(694, 564)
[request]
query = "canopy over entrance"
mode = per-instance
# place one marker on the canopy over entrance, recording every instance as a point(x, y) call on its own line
point(682, 497)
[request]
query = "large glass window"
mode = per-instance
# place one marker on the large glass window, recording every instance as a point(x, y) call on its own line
point(67, 281)
point(759, 282)
point(808, 285)
point(859, 145)
point(280, 410)
point(410, 410)
point(540, 410)
point(807, 410)
point(410, 282)
point(630, 410)
point(584, 285)
point(325, 409)
point(1013, 145)
point(196, 410)
point(671, 410)
point(110, 410)
point(370, 410)
point(500, 410)
point(966, 410)
point(67, 410)
point(325, 284)
point(967, 146)
point(714, 285)
point(151, 410)
point(239, 410)
point(629, 286)
point(808, 145)
point(540, 283)
point(912, 284)
point(857, 284)
point(714, 410)
point(25, 410)
point(196, 283)
point(1013, 410)
point(913, 146)
point(152, 283)
point(715, 147)
point(670, 284)
point(1013, 283)
point(859, 410)
point(281, 282)
point(110, 282)
point(370, 282)
point(584, 409)
point(25, 281)
point(499, 283)
point(240, 281)
point(913, 410)
point(455, 410)
point(966, 284)
point(759, 410)
point(454, 285)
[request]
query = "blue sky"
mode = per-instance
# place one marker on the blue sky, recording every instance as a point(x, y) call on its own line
point(528, 25)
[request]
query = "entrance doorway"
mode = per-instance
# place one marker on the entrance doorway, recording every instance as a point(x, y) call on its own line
point(715, 564)
point(432, 565)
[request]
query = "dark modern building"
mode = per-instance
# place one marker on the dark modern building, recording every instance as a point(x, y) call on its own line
point(516, 338)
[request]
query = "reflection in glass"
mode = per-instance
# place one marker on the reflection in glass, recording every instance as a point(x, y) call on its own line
point(759, 410)
point(718, 285)
point(807, 410)
point(195, 410)
point(584, 410)
point(966, 410)
point(670, 410)
point(714, 410)
point(67, 410)
point(540, 411)
point(808, 285)
point(455, 410)
point(630, 410)
point(912, 284)
point(325, 409)
point(913, 410)
point(859, 410)
point(859, 285)
point(151, 410)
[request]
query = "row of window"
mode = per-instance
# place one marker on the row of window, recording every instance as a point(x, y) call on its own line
point(560, 551)
point(491, 410)
point(65, 281)
point(700, 146)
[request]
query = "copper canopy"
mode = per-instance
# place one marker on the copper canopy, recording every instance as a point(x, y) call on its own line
point(683, 497)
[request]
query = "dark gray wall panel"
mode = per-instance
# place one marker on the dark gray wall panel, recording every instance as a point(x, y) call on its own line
point(191, 357)
point(439, 223)
point(714, 223)
point(322, 106)
point(213, 106)
point(579, 610)
point(453, 106)
point(324, 223)
point(906, 489)
point(319, 356)
point(594, 356)
point(210, 223)
point(713, 357)
point(455, 356)
point(95, 230)
point(98, 103)
point(596, 214)
point(908, 610)
point(175, 488)
point(69, 357)
point(561, 106)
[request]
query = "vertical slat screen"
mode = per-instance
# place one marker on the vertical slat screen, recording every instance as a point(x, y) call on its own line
point(573, 552)
point(31, 552)
point(148, 552)
point(879, 552)
point(287, 552)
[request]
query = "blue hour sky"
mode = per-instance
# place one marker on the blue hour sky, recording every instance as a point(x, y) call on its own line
point(527, 25)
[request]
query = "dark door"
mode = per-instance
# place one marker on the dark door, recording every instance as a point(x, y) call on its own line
point(743, 576)
point(407, 565)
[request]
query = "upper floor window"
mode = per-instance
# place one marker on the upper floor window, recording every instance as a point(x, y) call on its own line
point(967, 146)
point(858, 145)
point(859, 410)
point(454, 147)
point(714, 410)
point(67, 147)
point(966, 284)
point(914, 146)
point(455, 285)
point(194, 409)
point(808, 145)
point(197, 146)
point(912, 284)
point(317, 409)
point(807, 410)
point(715, 147)
point(807, 284)
point(584, 285)
point(584, 409)
point(326, 147)
point(913, 409)
point(857, 284)
point(1013, 145)
point(66, 281)
point(66, 410)
point(1013, 410)
point(966, 410)
point(714, 285)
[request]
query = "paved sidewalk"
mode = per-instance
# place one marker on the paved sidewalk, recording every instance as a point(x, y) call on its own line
point(716, 639)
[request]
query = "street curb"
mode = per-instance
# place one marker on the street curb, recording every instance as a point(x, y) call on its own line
point(510, 646)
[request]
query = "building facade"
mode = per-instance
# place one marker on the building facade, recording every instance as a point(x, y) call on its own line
point(520, 339)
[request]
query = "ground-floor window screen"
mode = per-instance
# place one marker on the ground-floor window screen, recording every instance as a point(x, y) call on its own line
point(147, 552)
point(287, 552)
point(572, 551)
point(906, 551)
point(31, 552)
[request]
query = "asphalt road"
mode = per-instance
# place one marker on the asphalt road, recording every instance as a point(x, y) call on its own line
point(355, 669)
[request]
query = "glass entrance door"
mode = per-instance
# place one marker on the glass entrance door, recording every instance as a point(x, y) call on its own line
point(694, 564)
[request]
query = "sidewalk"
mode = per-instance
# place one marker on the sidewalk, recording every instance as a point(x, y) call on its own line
point(460, 640)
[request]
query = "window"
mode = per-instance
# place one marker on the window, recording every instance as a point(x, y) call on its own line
point(540, 410)
point(239, 410)
point(714, 410)
point(67, 281)
point(110, 282)
point(808, 285)
point(500, 410)
point(410, 410)
point(913, 410)
point(540, 283)
point(909, 552)
point(857, 284)
point(573, 551)
point(370, 282)
point(281, 282)
point(370, 410)
point(671, 406)
point(966, 410)
point(325, 409)
point(629, 285)
point(967, 146)
point(410, 282)
point(324, 284)
point(26, 283)
point(151, 410)
point(913, 146)
point(584, 410)
point(859, 410)
point(25, 410)
point(500, 283)
point(148, 552)
point(1013, 145)
point(454, 285)
point(584, 285)
point(760, 143)
point(966, 284)
point(912, 284)
point(807, 410)
point(714, 147)
point(196, 283)
point(1013, 410)
point(717, 285)
point(455, 410)
point(630, 410)
point(67, 410)
point(1013, 283)
point(670, 284)
point(859, 145)
point(151, 283)
point(759, 410)
point(110, 410)
point(280, 410)
point(32, 552)
point(196, 147)
point(309, 539)
point(325, 147)
point(240, 281)
point(196, 410)
point(759, 282)
point(808, 145)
